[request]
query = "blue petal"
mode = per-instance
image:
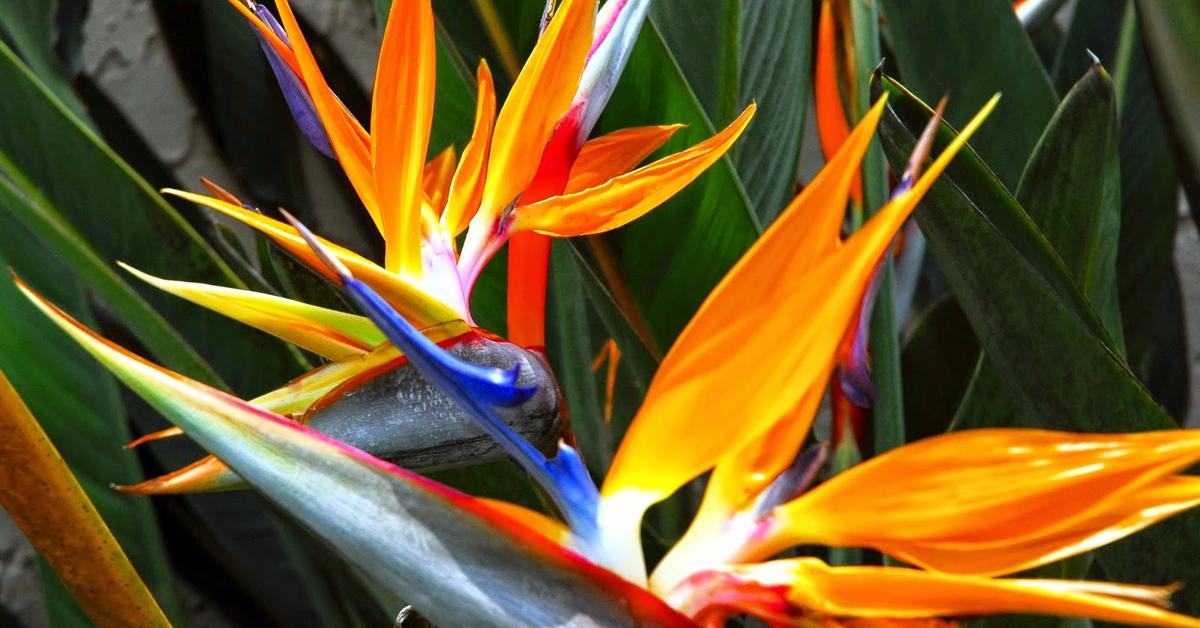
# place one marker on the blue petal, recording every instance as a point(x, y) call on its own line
point(478, 389)
point(491, 386)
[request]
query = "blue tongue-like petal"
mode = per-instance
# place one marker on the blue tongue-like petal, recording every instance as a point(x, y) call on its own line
point(478, 389)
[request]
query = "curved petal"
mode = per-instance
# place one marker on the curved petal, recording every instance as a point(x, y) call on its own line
point(459, 561)
point(728, 368)
point(1164, 498)
point(328, 333)
point(170, 432)
point(616, 153)
point(413, 302)
point(401, 118)
point(538, 99)
point(807, 588)
point(466, 189)
point(832, 128)
point(206, 475)
point(996, 501)
point(435, 179)
point(350, 142)
point(622, 199)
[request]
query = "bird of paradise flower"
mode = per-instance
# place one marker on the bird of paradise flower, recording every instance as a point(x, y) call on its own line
point(735, 396)
point(528, 170)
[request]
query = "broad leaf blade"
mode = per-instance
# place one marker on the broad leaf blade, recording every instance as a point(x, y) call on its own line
point(80, 177)
point(753, 50)
point(32, 27)
point(1030, 318)
point(1151, 303)
point(939, 358)
point(775, 63)
point(39, 491)
point(1172, 34)
point(80, 411)
point(68, 189)
point(968, 51)
point(1071, 190)
point(673, 256)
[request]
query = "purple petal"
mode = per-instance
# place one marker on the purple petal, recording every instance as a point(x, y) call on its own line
point(854, 371)
point(294, 91)
point(794, 480)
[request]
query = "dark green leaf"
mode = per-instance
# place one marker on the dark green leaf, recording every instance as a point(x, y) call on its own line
point(571, 345)
point(1050, 347)
point(1071, 189)
point(887, 414)
point(775, 63)
point(711, 70)
point(78, 186)
point(754, 50)
point(675, 255)
point(938, 360)
point(1172, 36)
point(583, 316)
point(969, 51)
point(33, 30)
point(79, 409)
point(1151, 304)
point(88, 184)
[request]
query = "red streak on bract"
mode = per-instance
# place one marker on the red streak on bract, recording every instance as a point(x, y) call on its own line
point(608, 26)
point(714, 596)
point(529, 253)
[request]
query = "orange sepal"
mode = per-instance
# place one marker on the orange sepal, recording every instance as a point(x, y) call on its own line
point(755, 359)
point(937, 502)
point(625, 198)
point(466, 189)
point(170, 432)
point(791, 590)
point(206, 475)
point(401, 118)
point(540, 96)
point(616, 153)
point(435, 180)
point(832, 126)
point(350, 142)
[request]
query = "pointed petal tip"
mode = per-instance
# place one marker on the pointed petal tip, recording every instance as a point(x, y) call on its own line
point(322, 252)
point(170, 432)
point(206, 475)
